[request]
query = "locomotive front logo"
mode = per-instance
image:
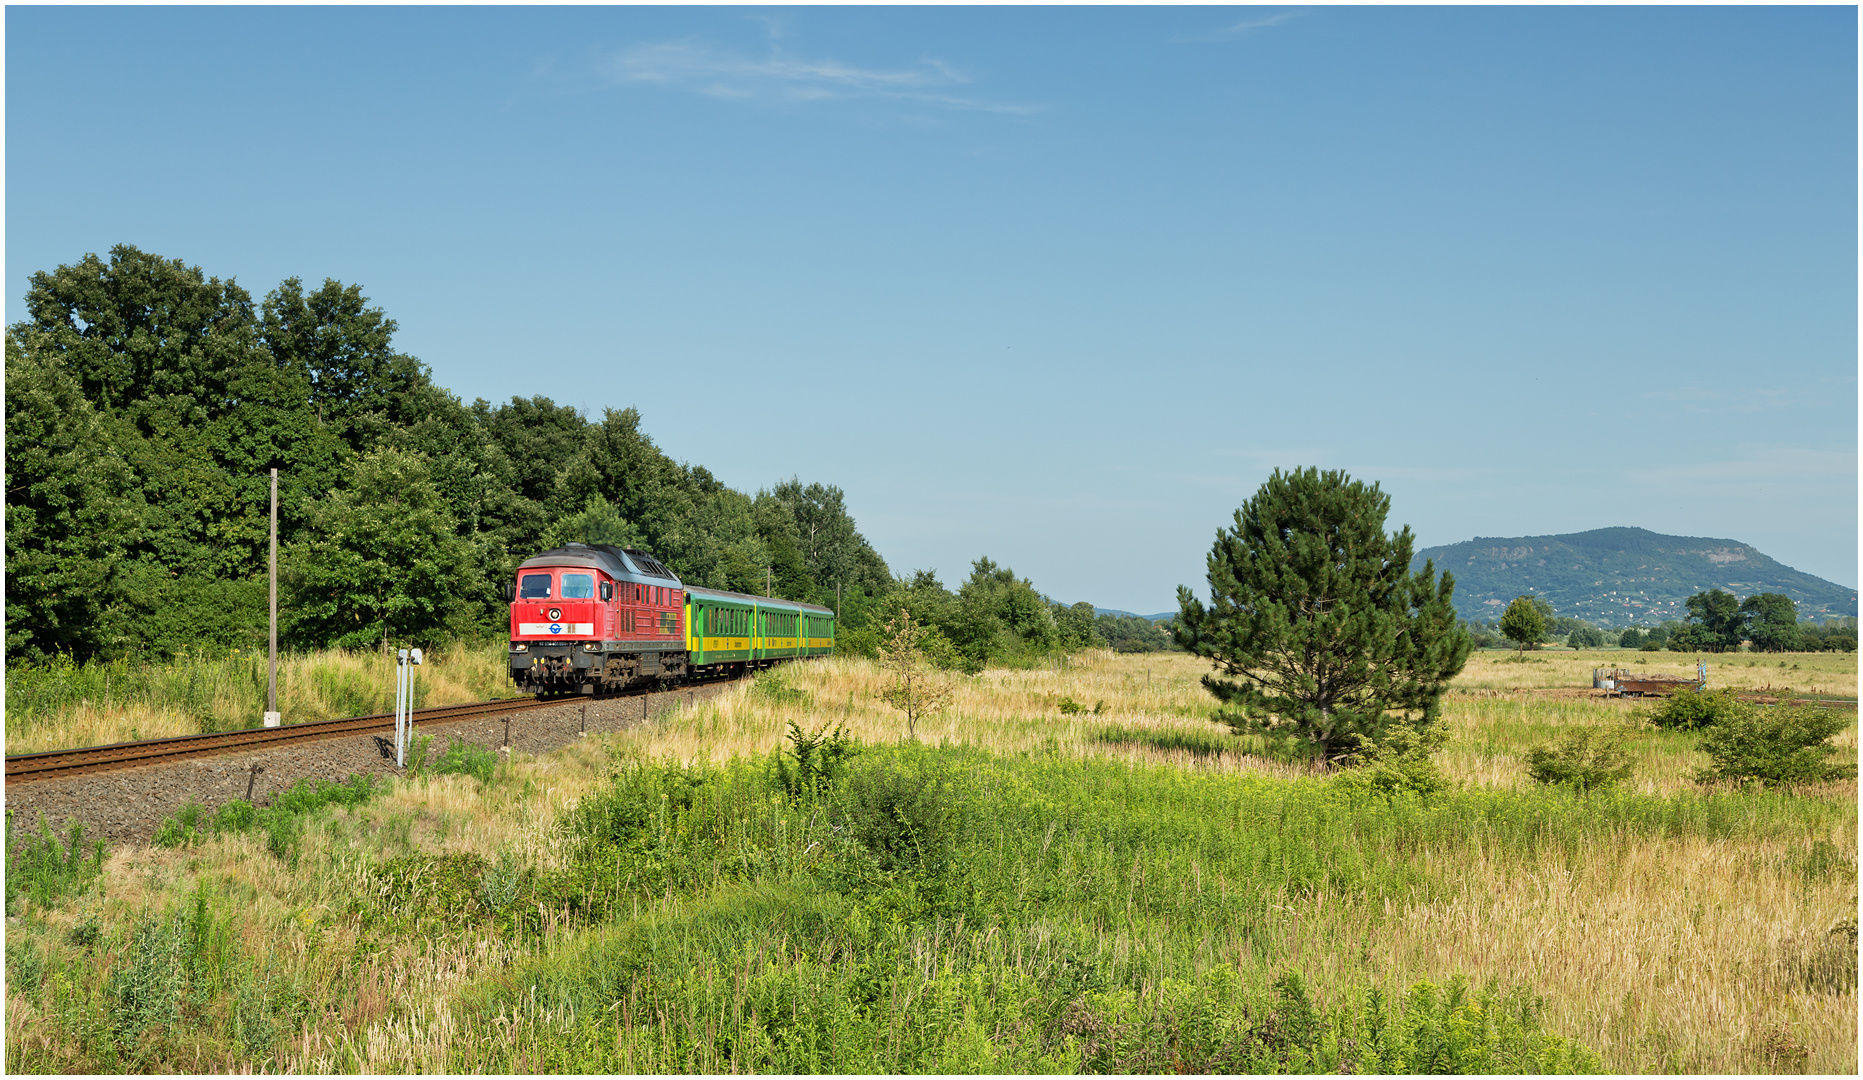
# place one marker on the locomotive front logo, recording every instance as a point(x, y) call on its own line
point(556, 628)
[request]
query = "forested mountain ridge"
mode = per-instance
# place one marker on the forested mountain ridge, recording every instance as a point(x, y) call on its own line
point(1622, 576)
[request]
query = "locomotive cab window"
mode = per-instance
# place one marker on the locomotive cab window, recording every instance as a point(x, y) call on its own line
point(534, 587)
point(578, 586)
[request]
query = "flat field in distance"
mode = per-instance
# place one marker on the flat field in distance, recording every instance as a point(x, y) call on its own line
point(1091, 875)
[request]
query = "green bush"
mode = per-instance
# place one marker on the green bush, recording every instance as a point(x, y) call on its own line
point(903, 806)
point(181, 828)
point(1691, 709)
point(1779, 746)
point(820, 757)
point(862, 642)
point(1400, 761)
point(1589, 759)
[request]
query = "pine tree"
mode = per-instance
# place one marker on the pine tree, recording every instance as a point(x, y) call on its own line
point(1320, 633)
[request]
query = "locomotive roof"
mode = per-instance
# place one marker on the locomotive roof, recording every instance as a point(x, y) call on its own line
point(620, 563)
point(760, 601)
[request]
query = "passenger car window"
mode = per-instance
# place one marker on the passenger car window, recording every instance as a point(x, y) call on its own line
point(534, 587)
point(578, 586)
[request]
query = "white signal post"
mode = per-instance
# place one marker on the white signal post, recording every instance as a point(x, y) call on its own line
point(405, 662)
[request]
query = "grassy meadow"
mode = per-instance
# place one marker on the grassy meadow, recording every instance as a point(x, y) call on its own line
point(1072, 870)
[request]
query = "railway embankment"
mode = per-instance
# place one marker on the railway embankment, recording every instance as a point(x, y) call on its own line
point(127, 805)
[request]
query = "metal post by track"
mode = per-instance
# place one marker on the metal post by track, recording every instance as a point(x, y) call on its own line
point(405, 661)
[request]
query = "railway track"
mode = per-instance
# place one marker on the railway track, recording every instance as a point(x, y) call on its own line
point(48, 764)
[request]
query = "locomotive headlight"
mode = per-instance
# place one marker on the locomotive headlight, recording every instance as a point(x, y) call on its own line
point(590, 646)
point(556, 614)
point(519, 646)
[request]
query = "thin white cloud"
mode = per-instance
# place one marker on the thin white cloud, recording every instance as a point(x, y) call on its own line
point(700, 68)
point(1243, 28)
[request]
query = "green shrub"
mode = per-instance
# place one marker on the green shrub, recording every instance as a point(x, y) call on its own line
point(309, 794)
point(42, 869)
point(633, 800)
point(1693, 709)
point(237, 815)
point(1070, 707)
point(904, 807)
point(1400, 761)
point(181, 828)
point(1779, 746)
point(862, 642)
point(1589, 759)
point(820, 757)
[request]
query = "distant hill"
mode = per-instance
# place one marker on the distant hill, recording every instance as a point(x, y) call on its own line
point(1622, 576)
point(1131, 614)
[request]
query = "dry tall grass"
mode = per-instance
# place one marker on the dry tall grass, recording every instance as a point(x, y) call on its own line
point(55, 709)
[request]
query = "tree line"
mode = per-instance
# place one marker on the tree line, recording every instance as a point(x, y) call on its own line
point(146, 403)
point(1717, 622)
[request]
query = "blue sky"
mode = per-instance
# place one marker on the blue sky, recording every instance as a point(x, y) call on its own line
point(1063, 285)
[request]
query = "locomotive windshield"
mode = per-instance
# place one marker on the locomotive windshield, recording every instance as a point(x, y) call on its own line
point(578, 586)
point(534, 587)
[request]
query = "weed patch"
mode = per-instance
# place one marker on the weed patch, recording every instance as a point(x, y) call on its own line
point(42, 869)
point(281, 823)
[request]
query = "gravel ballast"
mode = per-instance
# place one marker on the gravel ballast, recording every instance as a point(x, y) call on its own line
point(127, 805)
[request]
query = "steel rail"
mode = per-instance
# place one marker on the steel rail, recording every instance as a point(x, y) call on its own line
point(48, 764)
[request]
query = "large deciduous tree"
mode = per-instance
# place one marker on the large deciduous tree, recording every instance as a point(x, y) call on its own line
point(1523, 623)
point(1771, 621)
point(1320, 634)
point(382, 561)
point(357, 383)
point(1715, 624)
point(175, 361)
point(68, 519)
point(833, 551)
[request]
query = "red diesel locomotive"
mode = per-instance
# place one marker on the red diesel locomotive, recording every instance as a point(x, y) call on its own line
point(588, 617)
point(592, 617)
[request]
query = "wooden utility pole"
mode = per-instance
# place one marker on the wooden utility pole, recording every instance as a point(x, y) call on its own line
point(768, 572)
point(272, 718)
